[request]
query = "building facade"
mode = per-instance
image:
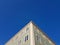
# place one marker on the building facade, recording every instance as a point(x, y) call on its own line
point(30, 35)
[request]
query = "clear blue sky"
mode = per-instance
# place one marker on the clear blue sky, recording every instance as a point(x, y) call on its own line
point(15, 14)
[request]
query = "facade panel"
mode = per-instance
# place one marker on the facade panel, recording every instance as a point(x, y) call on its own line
point(40, 37)
point(30, 35)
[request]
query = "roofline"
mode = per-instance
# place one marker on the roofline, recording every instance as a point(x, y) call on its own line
point(36, 26)
point(43, 33)
point(18, 31)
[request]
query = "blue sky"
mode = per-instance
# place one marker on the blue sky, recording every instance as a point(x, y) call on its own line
point(15, 14)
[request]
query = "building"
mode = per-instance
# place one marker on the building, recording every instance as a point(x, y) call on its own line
point(30, 35)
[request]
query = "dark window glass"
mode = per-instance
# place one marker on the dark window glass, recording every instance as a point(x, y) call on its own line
point(26, 38)
point(37, 37)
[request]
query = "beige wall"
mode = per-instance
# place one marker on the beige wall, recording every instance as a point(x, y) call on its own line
point(32, 31)
point(42, 38)
point(20, 37)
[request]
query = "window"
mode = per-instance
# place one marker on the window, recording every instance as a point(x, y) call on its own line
point(37, 37)
point(27, 29)
point(40, 39)
point(19, 42)
point(26, 38)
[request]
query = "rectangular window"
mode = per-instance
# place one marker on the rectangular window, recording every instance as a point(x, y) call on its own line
point(26, 38)
point(37, 37)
